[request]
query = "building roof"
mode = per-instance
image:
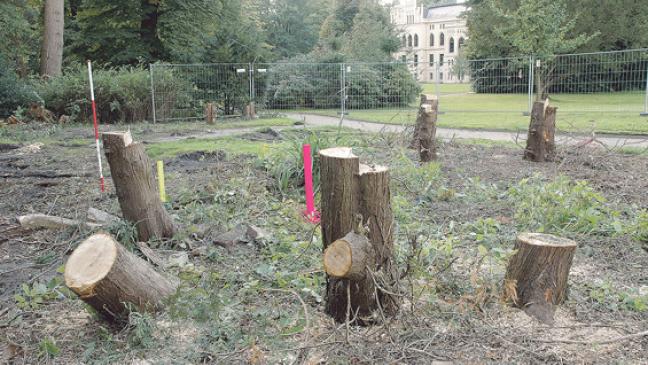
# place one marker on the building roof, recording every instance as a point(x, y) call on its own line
point(445, 11)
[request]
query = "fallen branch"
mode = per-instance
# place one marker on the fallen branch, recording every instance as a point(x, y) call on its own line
point(36, 221)
point(12, 174)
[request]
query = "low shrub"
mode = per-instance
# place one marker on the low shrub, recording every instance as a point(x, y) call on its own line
point(122, 94)
point(562, 205)
point(14, 92)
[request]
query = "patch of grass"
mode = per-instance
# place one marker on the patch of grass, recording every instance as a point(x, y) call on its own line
point(233, 145)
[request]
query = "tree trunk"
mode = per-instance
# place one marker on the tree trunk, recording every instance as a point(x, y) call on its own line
point(427, 130)
point(210, 113)
point(137, 192)
point(352, 196)
point(414, 144)
point(376, 212)
point(541, 144)
point(537, 275)
point(110, 278)
point(51, 57)
point(249, 111)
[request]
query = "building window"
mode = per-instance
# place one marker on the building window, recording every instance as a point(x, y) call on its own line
point(461, 43)
point(431, 75)
point(416, 59)
point(431, 59)
point(451, 45)
point(441, 56)
point(415, 40)
point(403, 58)
point(403, 41)
point(431, 39)
point(409, 40)
point(441, 39)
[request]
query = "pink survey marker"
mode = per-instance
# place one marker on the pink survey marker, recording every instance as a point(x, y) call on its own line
point(311, 214)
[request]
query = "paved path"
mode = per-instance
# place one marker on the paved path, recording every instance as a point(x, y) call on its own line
point(456, 133)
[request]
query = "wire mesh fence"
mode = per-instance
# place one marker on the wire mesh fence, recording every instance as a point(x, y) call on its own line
point(611, 82)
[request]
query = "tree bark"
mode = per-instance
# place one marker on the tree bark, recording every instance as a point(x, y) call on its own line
point(110, 278)
point(137, 192)
point(51, 57)
point(425, 98)
point(541, 144)
point(249, 111)
point(353, 196)
point(210, 113)
point(376, 212)
point(537, 275)
point(427, 130)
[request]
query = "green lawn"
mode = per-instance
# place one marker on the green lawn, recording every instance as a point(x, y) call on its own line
point(461, 108)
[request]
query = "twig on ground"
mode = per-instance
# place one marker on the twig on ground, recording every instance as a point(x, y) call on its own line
point(599, 342)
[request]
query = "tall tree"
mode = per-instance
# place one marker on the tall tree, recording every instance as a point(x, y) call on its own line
point(51, 60)
point(20, 35)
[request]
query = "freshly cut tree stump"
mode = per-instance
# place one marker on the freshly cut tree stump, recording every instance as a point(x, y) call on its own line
point(339, 169)
point(376, 212)
point(541, 143)
point(210, 113)
point(137, 191)
point(425, 99)
point(106, 276)
point(537, 275)
point(356, 223)
point(427, 130)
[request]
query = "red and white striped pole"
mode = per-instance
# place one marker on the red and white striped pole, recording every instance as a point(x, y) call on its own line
point(96, 126)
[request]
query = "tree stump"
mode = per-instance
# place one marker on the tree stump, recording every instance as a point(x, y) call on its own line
point(110, 278)
point(210, 113)
point(354, 259)
point(249, 111)
point(425, 99)
point(541, 144)
point(132, 174)
point(427, 130)
point(537, 275)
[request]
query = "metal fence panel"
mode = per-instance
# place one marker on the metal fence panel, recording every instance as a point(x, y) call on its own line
point(615, 82)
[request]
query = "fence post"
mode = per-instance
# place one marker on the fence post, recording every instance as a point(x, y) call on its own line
point(645, 112)
point(343, 91)
point(437, 82)
point(531, 82)
point(152, 91)
point(251, 75)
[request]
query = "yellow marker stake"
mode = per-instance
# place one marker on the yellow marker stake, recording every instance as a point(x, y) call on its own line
point(160, 173)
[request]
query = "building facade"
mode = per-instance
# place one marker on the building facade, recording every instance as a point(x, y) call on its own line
point(432, 38)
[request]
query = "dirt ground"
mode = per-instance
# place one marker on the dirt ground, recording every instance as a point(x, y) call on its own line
point(262, 302)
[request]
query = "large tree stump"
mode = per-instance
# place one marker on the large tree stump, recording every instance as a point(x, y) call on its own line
point(136, 189)
point(427, 130)
point(425, 98)
point(541, 144)
point(352, 197)
point(110, 278)
point(536, 277)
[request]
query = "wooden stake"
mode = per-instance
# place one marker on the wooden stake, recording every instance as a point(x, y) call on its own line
point(537, 275)
point(109, 278)
point(210, 113)
point(136, 189)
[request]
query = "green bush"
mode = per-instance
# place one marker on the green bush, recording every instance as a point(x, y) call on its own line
point(122, 94)
point(14, 93)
